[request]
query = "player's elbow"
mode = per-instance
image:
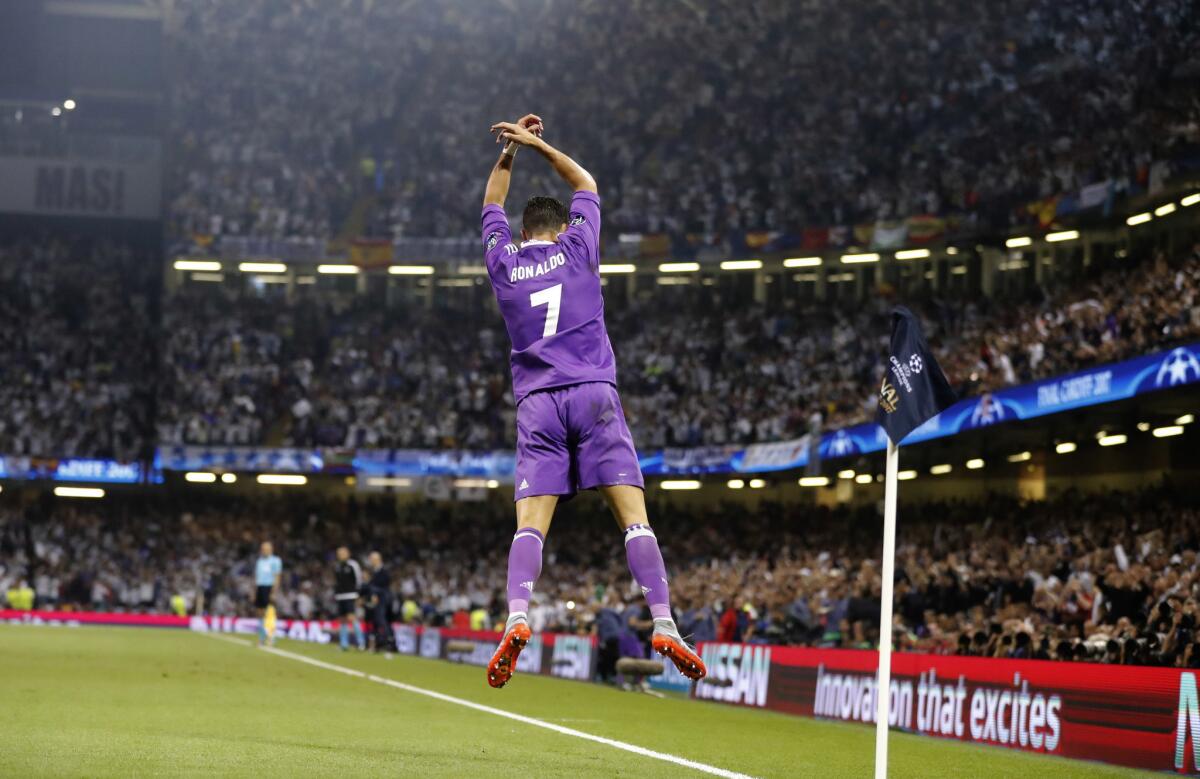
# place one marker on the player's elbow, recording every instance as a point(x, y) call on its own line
point(586, 183)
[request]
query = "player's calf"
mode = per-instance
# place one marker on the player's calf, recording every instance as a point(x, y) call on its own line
point(524, 567)
point(646, 565)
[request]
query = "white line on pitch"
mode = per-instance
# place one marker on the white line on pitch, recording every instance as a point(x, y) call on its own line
point(667, 758)
point(228, 639)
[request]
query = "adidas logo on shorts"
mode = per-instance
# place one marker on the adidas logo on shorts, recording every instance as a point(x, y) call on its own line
point(524, 484)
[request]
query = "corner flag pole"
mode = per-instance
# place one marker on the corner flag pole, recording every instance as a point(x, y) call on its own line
point(914, 390)
point(883, 688)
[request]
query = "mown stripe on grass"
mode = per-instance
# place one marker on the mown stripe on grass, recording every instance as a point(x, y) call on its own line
point(537, 723)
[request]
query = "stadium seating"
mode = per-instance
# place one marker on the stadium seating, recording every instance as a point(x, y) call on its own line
point(998, 578)
point(77, 357)
point(331, 370)
point(310, 124)
point(695, 368)
point(305, 127)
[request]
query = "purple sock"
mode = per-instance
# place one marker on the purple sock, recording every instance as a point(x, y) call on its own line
point(524, 565)
point(646, 565)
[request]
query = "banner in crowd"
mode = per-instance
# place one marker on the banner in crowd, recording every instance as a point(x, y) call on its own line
point(642, 245)
point(371, 253)
point(1127, 715)
point(1101, 193)
point(889, 235)
point(436, 462)
point(685, 460)
point(755, 458)
point(1044, 210)
point(249, 458)
point(1095, 194)
point(75, 187)
point(553, 654)
point(924, 228)
point(71, 470)
point(253, 247)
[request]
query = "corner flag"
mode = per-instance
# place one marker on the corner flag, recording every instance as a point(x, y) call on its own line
point(913, 390)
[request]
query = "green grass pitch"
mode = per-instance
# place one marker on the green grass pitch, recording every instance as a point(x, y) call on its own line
point(128, 701)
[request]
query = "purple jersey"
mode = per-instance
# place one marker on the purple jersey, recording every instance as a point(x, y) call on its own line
point(549, 295)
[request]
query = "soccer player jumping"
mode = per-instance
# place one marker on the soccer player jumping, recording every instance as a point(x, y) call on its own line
point(571, 431)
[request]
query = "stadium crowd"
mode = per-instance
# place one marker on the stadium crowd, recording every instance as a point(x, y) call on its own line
point(307, 120)
point(1085, 577)
point(88, 371)
point(322, 371)
point(694, 368)
point(77, 356)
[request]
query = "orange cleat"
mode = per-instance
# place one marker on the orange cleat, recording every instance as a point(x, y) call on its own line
point(504, 662)
point(678, 652)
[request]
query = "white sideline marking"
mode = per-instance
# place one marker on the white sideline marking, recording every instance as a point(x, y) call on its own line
point(537, 723)
point(229, 639)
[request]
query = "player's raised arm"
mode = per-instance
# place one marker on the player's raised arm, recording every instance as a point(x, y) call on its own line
point(497, 183)
point(570, 170)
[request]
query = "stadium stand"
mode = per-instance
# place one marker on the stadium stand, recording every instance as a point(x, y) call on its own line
point(301, 120)
point(1097, 578)
point(323, 372)
point(78, 353)
point(695, 368)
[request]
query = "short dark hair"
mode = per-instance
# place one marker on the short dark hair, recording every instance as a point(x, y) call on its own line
point(543, 213)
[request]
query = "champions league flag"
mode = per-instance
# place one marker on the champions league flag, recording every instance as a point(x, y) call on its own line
point(914, 389)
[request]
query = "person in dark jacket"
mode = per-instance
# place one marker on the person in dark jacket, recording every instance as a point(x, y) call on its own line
point(377, 595)
point(347, 583)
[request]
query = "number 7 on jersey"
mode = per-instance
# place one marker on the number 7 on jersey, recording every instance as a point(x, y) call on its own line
point(551, 298)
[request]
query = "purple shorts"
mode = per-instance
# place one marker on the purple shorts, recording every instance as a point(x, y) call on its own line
point(571, 439)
